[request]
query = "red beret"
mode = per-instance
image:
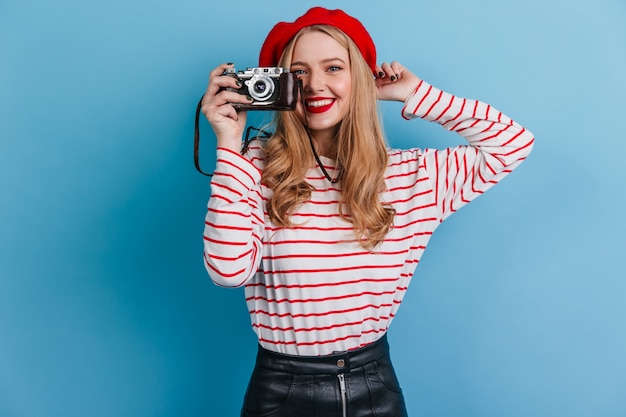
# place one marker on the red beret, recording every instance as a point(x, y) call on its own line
point(283, 32)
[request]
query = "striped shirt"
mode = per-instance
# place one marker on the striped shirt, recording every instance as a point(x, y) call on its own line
point(311, 289)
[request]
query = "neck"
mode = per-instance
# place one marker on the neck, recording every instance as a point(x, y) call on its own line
point(325, 144)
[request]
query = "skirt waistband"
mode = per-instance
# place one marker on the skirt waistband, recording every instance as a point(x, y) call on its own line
point(337, 363)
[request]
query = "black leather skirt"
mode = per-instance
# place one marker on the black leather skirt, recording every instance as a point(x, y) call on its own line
point(356, 383)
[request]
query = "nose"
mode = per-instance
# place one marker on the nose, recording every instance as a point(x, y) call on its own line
point(315, 81)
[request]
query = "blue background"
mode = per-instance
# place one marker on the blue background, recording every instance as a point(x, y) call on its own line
point(517, 308)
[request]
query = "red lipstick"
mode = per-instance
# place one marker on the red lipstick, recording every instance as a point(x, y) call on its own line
point(318, 104)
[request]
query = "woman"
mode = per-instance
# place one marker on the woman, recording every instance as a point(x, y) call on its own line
point(324, 225)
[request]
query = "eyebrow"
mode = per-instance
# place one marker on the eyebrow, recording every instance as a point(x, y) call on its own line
point(324, 61)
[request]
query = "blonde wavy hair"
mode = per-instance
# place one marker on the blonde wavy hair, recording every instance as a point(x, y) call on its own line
point(360, 155)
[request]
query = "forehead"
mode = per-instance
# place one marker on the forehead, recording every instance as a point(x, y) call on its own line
point(315, 46)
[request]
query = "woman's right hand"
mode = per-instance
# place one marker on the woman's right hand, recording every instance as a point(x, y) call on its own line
point(217, 106)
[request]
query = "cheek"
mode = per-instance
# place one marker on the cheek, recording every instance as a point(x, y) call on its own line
point(345, 89)
point(346, 94)
point(348, 85)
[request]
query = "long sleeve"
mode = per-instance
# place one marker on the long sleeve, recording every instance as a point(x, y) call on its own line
point(234, 221)
point(497, 145)
point(311, 289)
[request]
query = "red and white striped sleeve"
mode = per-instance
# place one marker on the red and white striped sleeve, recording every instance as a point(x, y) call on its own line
point(234, 221)
point(497, 145)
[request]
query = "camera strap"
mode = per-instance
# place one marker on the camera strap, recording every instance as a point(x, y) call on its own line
point(196, 140)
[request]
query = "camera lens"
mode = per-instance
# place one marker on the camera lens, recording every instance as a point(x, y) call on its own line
point(261, 88)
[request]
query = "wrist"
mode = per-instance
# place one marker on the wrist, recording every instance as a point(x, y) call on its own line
point(230, 143)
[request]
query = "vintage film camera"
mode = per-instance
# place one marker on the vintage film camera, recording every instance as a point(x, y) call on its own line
point(271, 88)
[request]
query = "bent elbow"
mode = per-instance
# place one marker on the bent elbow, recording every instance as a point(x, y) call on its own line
point(518, 148)
point(529, 142)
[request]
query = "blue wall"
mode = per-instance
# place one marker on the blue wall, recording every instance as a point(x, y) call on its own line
point(105, 309)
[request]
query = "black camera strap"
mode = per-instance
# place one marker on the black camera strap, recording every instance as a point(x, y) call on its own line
point(196, 140)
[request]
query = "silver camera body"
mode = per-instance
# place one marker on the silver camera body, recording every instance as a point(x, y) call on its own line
point(271, 88)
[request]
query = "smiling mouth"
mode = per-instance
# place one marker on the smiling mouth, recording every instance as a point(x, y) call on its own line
point(319, 106)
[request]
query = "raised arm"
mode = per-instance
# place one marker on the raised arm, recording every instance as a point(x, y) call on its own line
point(234, 220)
point(497, 145)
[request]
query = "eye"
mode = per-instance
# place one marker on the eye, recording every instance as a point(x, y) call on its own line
point(334, 68)
point(298, 71)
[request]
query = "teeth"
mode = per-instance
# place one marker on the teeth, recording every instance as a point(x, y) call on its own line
point(319, 103)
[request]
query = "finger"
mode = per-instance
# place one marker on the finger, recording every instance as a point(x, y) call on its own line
point(222, 118)
point(222, 104)
point(379, 72)
point(397, 69)
point(219, 70)
point(235, 97)
point(390, 72)
point(227, 111)
point(225, 90)
point(218, 80)
point(394, 70)
point(384, 70)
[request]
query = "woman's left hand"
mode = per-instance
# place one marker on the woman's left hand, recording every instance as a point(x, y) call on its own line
point(394, 82)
